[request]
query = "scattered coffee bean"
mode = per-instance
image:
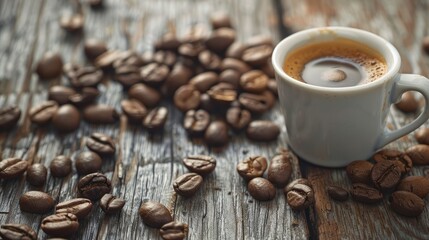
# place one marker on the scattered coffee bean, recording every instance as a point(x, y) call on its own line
point(88, 162)
point(101, 144)
point(86, 96)
point(144, 94)
point(155, 119)
point(385, 175)
point(257, 103)
point(422, 135)
point(134, 110)
point(187, 184)
point(111, 204)
point(66, 119)
point(222, 93)
point(100, 114)
point(261, 189)
point(419, 154)
point(80, 207)
point(235, 50)
point(230, 76)
point(129, 58)
point(200, 164)
point(187, 97)
point(366, 194)
point(204, 81)
point(252, 167)
point(418, 185)
point(303, 181)
point(254, 81)
point(235, 64)
point(206, 103)
point(178, 77)
point(238, 118)
point(37, 174)
point(60, 225)
point(168, 41)
point(408, 103)
point(216, 134)
point(43, 113)
point(50, 66)
point(174, 231)
point(36, 202)
point(81, 77)
point(105, 60)
point(300, 197)
point(154, 214)
point(220, 20)
point(262, 130)
point(220, 39)
point(280, 169)
point(60, 94)
point(61, 166)
point(337, 193)
point(94, 185)
point(94, 48)
point(128, 75)
point(359, 171)
point(12, 168)
point(406, 203)
point(9, 117)
point(196, 122)
point(209, 60)
point(154, 74)
point(403, 160)
point(258, 55)
point(72, 23)
point(17, 231)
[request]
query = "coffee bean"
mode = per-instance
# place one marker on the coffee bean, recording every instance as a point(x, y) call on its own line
point(366, 194)
point(425, 44)
point(61, 166)
point(168, 41)
point(187, 97)
point(94, 185)
point(359, 171)
point(128, 75)
point(406, 203)
point(422, 135)
point(36, 174)
point(258, 55)
point(303, 181)
point(408, 103)
point(220, 39)
point(238, 118)
point(173, 231)
point(230, 76)
point(178, 77)
point(272, 86)
point(385, 175)
point(262, 130)
point(280, 169)
point(36, 202)
point(101, 144)
point(200, 164)
point(144, 94)
point(165, 58)
point(191, 50)
point(60, 94)
point(80, 77)
point(220, 20)
point(209, 60)
point(84, 97)
point(17, 232)
point(222, 93)
point(66, 119)
point(419, 154)
point(300, 197)
point(403, 160)
point(80, 207)
point(216, 134)
point(72, 23)
point(252, 167)
point(206, 103)
point(196, 122)
point(235, 64)
point(111, 204)
point(12, 168)
point(100, 114)
point(154, 214)
point(187, 184)
point(88, 162)
point(236, 50)
point(204, 81)
point(337, 193)
point(49, 66)
point(261, 189)
point(257, 103)
point(129, 58)
point(418, 185)
point(9, 117)
point(259, 40)
point(94, 48)
point(155, 119)
point(254, 81)
point(60, 225)
point(106, 60)
point(43, 113)
point(134, 110)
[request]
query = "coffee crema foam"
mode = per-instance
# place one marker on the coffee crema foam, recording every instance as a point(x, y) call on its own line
point(340, 51)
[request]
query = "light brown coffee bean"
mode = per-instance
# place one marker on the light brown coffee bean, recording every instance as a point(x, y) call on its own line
point(422, 136)
point(200, 164)
point(418, 185)
point(280, 169)
point(111, 204)
point(80, 207)
point(173, 231)
point(144, 94)
point(187, 184)
point(156, 119)
point(60, 225)
point(300, 197)
point(408, 103)
point(261, 189)
point(406, 203)
point(36, 202)
point(221, 39)
point(359, 171)
point(254, 81)
point(303, 181)
point(252, 167)
point(403, 160)
point(94, 48)
point(419, 154)
point(43, 113)
point(155, 214)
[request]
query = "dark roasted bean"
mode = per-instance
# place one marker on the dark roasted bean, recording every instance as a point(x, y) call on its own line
point(165, 58)
point(408, 103)
point(403, 160)
point(337, 193)
point(216, 133)
point(187, 97)
point(155, 119)
point(37, 174)
point(359, 171)
point(209, 60)
point(235, 50)
point(204, 81)
point(81, 77)
point(191, 50)
point(257, 103)
point(94, 48)
point(36, 202)
point(418, 185)
point(280, 169)
point(17, 232)
point(43, 113)
point(262, 130)
point(200, 164)
point(66, 119)
point(9, 117)
point(196, 122)
point(111, 204)
point(300, 197)
point(385, 175)
point(366, 194)
point(303, 181)
point(173, 231)
point(88, 162)
point(220, 39)
point(60, 94)
point(230, 76)
point(259, 40)
point(238, 118)
point(261, 189)
point(220, 20)
point(60, 225)
point(134, 110)
point(258, 55)
point(61, 166)
point(422, 135)
point(178, 77)
point(106, 60)
point(406, 203)
point(222, 93)
point(128, 75)
point(252, 167)
point(154, 214)
point(168, 41)
point(419, 154)
point(49, 66)
point(12, 168)
point(235, 64)
point(101, 144)
point(146, 95)
point(80, 207)
point(84, 97)
point(272, 86)
point(94, 185)
point(100, 114)
point(187, 184)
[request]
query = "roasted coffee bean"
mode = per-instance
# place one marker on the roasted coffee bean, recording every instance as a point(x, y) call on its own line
point(303, 181)
point(36, 202)
point(259, 40)
point(204, 81)
point(17, 231)
point(258, 55)
point(80, 207)
point(196, 122)
point(230, 76)
point(425, 44)
point(164, 58)
point(300, 197)
point(337, 193)
point(94, 48)
point(154, 214)
point(236, 50)
point(280, 169)
point(129, 58)
point(408, 103)
point(81, 77)
point(88, 162)
point(366, 194)
point(220, 39)
point(50, 66)
point(173, 231)
point(209, 60)
point(406, 203)
point(385, 175)
point(422, 135)
point(262, 130)
point(403, 160)
point(61, 166)
point(100, 114)
point(200, 164)
point(155, 119)
point(12, 168)
point(191, 50)
point(187, 184)
point(60, 94)
point(238, 118)
point(60, 225)
point(252, 167)
point(43, 113)
point(134, 110)
point(146, 95)
point(128, 75)
point(94, 185)
point(168, 41)
point(101, 144)
point(220, 20)
point(216, 134)
point(106, 60)
point(418, 185)
point(359, 171)
point(111, 204)
point(261, 189)
point(66, 119)
point(178, 77)
point(84, 97)
point(222, 93)
point(72, 23)
point(257, 103)
point(206, 103)
point(9, 117)
point(235, 64)
point(272, 86)
point(254, 81)
point(268, 69)
point(36, 174)
point(419, 154)
point(187, 97)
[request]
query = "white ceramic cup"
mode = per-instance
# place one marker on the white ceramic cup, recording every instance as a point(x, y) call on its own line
point(334, 126)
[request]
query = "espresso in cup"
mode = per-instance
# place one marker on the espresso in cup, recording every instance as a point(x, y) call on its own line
point(338, 62)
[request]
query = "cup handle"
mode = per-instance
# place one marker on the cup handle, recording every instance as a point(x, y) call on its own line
point(408, 82)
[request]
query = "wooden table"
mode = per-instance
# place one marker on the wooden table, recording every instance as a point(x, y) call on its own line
point(144, 166)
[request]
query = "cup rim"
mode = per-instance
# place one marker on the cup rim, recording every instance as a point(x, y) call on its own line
point(393, 68)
